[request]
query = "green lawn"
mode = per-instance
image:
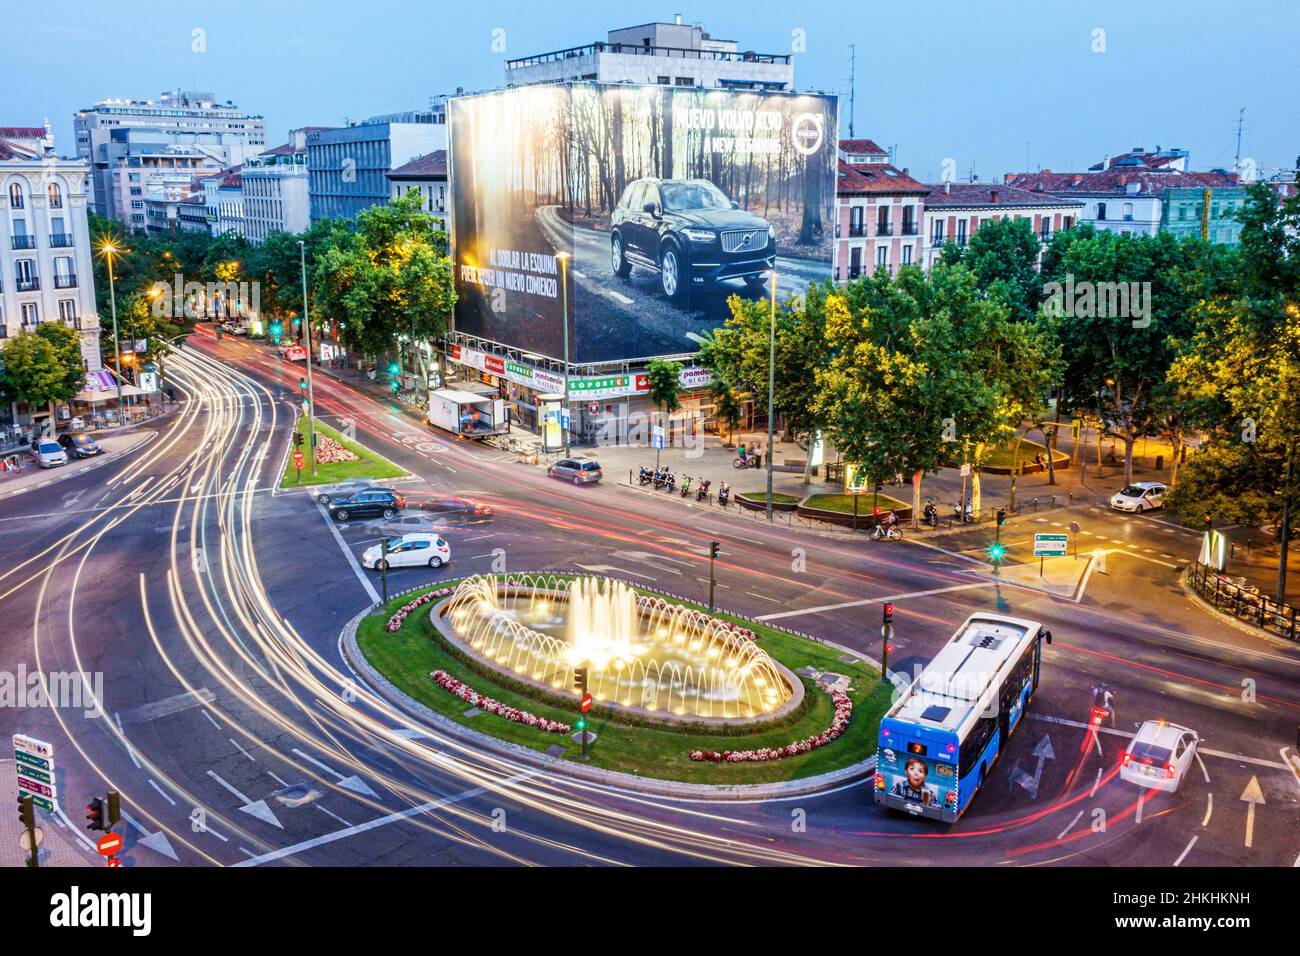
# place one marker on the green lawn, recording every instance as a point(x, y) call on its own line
point(407, 657)
point(844, 503)
point(367, 465)
point(1005, 456)
point(777, 497)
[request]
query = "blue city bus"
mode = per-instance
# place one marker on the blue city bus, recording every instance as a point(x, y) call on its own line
point(940, 738)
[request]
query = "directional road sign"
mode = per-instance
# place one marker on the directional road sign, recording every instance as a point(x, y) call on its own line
point(1051, 545)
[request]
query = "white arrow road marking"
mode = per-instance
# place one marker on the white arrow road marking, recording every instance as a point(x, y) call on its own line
point(157, 842)
point(254, 808)
point(1070, 826)
point(606, 569)
point(353, 783)
point(1252, 795)
point(71, 497)
point(1209, 809)
point(1043, 752)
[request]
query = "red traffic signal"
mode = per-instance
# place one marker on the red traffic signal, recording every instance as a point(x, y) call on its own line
point(888, 613)
point(876, 511)
point(95, 815)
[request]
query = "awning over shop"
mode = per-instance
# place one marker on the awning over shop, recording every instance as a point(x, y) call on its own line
point(101, 386)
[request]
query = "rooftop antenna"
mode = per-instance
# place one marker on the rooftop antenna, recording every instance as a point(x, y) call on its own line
point(853, 86)
point(1236, 165)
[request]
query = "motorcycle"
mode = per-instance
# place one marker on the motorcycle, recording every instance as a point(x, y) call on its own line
point(686, 486)
point(965, 517)
point(646, 475)
point(930, 515)
point(659, 477)
point(703, 493)
point(670, 481)
point(723, 494)
point(885, 532)
point(749, 461)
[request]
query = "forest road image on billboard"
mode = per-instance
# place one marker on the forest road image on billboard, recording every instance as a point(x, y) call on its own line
point(668, 200)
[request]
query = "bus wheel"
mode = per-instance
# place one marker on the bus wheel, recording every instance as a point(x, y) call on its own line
point(980, 786)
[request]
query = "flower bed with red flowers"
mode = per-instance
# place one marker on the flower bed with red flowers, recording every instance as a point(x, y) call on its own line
point(843, 711)
point(328, 451)
point(475, 699)
point(407, 609)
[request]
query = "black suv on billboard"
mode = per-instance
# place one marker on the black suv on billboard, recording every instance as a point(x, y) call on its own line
point(690, 233)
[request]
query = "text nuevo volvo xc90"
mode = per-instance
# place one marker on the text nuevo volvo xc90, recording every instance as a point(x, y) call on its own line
point(690, 233)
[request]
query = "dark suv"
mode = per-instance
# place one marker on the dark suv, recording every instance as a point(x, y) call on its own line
point(690, 233)
point(368, 503)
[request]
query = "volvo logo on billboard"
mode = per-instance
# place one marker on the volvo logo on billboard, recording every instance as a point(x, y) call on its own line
point(808, 132)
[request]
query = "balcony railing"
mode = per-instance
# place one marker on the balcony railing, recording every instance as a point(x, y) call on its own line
point(65, 282)
point(909, 229)
point(61, 240)
point(632, 49)
point(28, 285)
point(937, 239)
point(24, 242)
point(857, 229)
point(884, 229)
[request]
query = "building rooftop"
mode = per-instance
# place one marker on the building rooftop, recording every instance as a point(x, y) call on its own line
point(989, 194)
point(875, 178)
point(429, 166)
point(1117, 181)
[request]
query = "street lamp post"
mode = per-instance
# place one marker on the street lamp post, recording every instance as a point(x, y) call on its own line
point(564, 326)
point(306, 331)
point(771, 395)
point(108, 250)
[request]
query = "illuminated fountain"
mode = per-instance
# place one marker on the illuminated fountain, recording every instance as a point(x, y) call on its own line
point(644, 656)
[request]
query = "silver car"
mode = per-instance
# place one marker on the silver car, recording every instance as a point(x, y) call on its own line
point(580, 471)
point(48, 453)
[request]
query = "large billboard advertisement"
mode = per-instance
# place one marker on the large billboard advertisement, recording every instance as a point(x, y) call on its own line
point(655, 203)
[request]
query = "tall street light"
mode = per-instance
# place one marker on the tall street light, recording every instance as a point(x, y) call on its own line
point(564, 325)
point(109, 249)
point(771, 395)
point(306, 331)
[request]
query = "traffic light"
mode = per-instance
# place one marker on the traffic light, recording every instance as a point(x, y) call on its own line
point(394, 371)
point(297, 439)
point(996, 552)
point(580, 723)
point(580, 679)
point(302, 384)
point(114, 808)
point(275, 331)
point(95, 814)
point(715, 548)
point(887, 613)
point(26, 812)
point(1002, 516)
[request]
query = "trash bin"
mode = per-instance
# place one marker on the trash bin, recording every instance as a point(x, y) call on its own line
point(1160, 462)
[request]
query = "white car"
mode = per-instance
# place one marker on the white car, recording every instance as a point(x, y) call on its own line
point(1139, 497)
point(409, 551)
point(47, 453)
point(1159, 755)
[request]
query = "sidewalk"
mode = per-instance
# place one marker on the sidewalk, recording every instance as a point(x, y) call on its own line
point(32, 476)
point(1254, 556)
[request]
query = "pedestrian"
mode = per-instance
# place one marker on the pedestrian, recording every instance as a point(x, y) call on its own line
point(758, 454)
point(740, 453)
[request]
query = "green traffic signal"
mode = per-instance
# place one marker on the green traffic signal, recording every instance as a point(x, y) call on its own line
point(996, 551)
point(581, 723)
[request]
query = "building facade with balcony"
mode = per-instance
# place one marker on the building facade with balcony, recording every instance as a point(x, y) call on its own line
point(179, 117)
point(955, 211)
point(879, 213)
point(276, 197)
point(667, 54)
point(45, 254)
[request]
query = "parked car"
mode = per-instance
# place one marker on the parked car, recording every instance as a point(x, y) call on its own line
point(453, 508)
point(410, 550)
point(48, 453)
point(293, 353)
point(345, 489)
point(690, 233)
point(1139, 497)
point(371, 503)
point(79, 445)
point(234, 328)
point(580, 471)
point(1159, 755)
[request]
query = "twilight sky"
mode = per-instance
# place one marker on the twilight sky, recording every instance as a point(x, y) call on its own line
point(988, 83)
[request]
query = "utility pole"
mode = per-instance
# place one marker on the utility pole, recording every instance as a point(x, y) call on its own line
point(109, 249)
point(564, 326)
point(383, 565)
point(886, 633)
point(27, 817)
point(771, 395)
point(584, 705)
point(1236, 165)
point(306, 331)
point(1286, 527)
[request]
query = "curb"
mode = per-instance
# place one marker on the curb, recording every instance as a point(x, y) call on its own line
point(100, 461)
point(1234, 622)
point(808, 786)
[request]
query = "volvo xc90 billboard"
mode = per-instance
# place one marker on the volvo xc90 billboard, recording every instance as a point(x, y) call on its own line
point(641, 208)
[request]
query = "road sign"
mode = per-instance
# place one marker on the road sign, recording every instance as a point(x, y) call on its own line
point(109, 844)
point(34, 769)
point(27, 760)
point(25, 839)
point(657, 436)
point(1074, 527)
point(1051, 545)
point(297, 460)
point(30, 745)
point(36, 788)
point(593, 408)
point(586, 703)
point(965, 469)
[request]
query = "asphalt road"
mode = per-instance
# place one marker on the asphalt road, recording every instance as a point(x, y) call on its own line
point(231, 725)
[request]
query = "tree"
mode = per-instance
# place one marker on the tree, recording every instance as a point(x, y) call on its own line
point(1003, 255)
point(43, 367)
point(665, 379)
point(728, 406)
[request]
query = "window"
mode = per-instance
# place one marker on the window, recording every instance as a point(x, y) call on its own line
point(56, 196)
point(25, 270)
point(1128, 212)
point(974, 744)
point(1101, 212)
point(882, 221)
point(31, 313)
point(68, 310)
point(855, 262)
point(882, 255)
point(936, 235)
point(15, 196)
point(907, 255)
point(961, 232)
point(855, 221)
